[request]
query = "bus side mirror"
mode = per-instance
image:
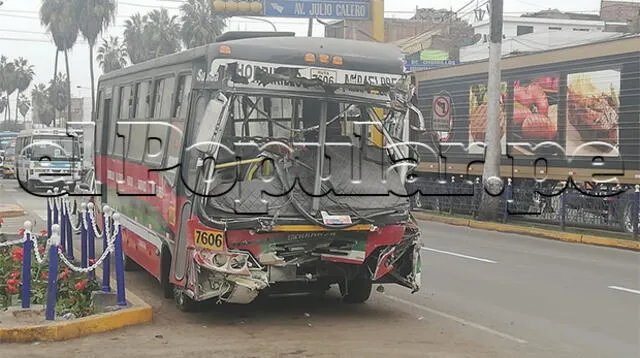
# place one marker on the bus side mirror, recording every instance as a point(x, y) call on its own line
point(423, 124)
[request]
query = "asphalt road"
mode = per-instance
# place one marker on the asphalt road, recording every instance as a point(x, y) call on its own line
point(485, 294)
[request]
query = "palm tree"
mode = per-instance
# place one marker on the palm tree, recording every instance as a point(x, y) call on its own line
point(23, 106)
point(43, 111)
point(164, 33)
point(8, 82)
point(3, 104)
point(95, 17)
point(60, 17)
point(134, 38)
point(58, 95)
point(112, 55)
point(200, 24)
point(23, 77)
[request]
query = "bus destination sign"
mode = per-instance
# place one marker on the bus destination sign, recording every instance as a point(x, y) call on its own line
point(327, 9)
point(248, 70)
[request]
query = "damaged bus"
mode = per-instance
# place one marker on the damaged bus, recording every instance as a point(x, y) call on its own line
point(262, 163)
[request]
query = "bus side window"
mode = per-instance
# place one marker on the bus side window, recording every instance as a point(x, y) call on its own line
point(182, 97)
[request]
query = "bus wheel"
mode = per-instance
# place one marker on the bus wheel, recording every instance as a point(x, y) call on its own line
point(358, 291)
point(183, 302)
point(128, 263)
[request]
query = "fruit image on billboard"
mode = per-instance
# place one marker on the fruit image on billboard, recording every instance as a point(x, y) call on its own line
point(593, 108)
point(478, 106)
point(535, 112)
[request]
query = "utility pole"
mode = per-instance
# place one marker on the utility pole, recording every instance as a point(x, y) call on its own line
point(492, 184)
point(377, 19)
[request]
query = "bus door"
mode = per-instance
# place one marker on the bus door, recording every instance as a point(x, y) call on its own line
point(206, 113)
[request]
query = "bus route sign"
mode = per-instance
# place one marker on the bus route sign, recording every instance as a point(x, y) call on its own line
point(327, 9)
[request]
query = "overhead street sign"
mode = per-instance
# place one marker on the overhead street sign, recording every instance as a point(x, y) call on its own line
point(327, 9)
point(413, 65)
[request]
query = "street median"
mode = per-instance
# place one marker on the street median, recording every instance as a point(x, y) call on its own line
point(11, 211)
point(137, 312)
point(519, 229)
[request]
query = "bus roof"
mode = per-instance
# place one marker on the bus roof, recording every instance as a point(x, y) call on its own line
point(356, 55)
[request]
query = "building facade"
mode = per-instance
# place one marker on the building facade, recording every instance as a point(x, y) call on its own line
point(429, 34)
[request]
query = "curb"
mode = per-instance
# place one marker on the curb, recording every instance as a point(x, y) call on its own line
point(140, 313)
point(548, 234)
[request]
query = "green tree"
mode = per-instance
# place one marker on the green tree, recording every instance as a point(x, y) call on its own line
point(60, 17)
point(153, 35)
point(200, 24)
point(23, 76)
point(164, 33)
point(112, 55)
point(95, 17)
point(134, 38)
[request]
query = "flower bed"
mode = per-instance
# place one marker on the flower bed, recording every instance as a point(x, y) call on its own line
point(74, 289)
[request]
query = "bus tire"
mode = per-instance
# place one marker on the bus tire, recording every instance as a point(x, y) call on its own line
point(358, 291)
point(168, 290)
point(128, 263)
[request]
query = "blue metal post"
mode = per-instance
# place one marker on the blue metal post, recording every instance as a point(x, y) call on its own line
point(52, 281)
point(55, 211)
point(122, 301)
point(91, 239)
point(83, 237)
point(26, 267)
point(106, 268)
point(69, 235)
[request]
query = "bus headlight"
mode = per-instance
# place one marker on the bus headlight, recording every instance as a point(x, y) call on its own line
point(219, 260)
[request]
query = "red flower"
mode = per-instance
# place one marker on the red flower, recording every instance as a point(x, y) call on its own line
point(45, 276)
point(65, 274)
point(14, 275)
point(12, 289)
point(44, 233)
point(1, 221)
point(41, 250)
point(21, 232)
point(81, 285)
point(92, 261)
point(17, 254)
point(12, 282)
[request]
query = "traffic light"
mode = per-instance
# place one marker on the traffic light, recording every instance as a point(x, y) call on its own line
point(238, 7)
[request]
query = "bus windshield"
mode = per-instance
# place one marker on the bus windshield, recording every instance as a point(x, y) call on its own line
point(55, 148)
point(268, 137)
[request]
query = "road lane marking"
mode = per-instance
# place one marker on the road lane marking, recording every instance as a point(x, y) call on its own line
point(624, 289)
point(459, 255)
point(456, 319)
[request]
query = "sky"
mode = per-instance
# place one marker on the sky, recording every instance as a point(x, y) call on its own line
point(21, 34)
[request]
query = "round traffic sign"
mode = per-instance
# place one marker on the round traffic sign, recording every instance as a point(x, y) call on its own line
point(441, 106)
